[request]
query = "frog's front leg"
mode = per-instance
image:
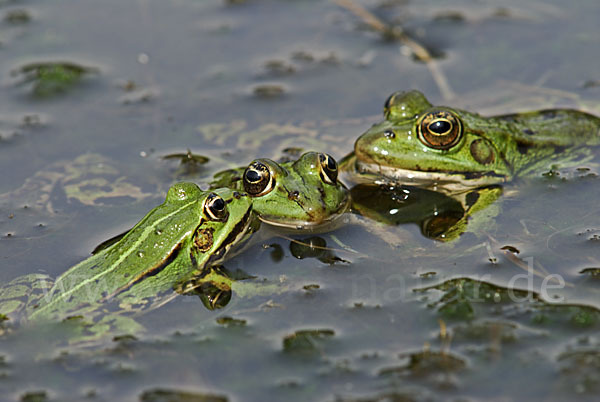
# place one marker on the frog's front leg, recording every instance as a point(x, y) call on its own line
point(480, 211)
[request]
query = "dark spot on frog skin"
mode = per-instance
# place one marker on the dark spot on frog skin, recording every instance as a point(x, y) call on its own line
point(389, 134)
point(477, 175)
point(507, 117)
point(528, 131)
point(293, 195)
point(523, 147)
point(203, 240)
point(559, 149)
point(219, 254)
point(472, 198)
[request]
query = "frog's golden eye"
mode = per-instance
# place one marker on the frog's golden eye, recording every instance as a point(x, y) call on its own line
point(439, 129)
point(258, 180)
point(329, 169)
point(215, 208)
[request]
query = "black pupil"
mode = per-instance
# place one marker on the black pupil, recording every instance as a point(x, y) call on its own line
point(218, 204)
point(331, 165)
point(328, 162)
point(252, 175)
point(440, 126)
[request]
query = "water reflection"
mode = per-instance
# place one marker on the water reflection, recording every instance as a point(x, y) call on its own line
point(212, 286)
point(436, 214)
point(314, 247)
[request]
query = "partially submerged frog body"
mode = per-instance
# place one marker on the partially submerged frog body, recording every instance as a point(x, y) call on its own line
point(465, 155)
point(214, 285)
point(189, 232)
point(303, 194)
point(455, 149)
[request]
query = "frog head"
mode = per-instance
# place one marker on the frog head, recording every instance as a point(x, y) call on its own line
point(219, 219)
point(421, 142)
point(303, 193)
point(227, 220)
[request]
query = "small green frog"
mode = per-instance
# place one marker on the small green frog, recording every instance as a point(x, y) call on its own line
point(304, 194)
point(190, 231)
point(454, 149)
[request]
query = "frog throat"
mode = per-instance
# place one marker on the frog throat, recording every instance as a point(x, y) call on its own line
point(308, 225)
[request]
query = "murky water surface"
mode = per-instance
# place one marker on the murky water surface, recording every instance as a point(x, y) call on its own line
point(385, 313)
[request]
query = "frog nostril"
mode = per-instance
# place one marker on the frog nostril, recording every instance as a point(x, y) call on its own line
point(293, 195)
point(389, 134)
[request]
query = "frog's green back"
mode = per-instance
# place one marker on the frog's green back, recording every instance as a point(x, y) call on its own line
point(145, 250)
point(539, 139)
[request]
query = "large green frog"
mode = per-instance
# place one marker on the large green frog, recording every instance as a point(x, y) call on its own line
point(449, 148)
point(303, 194)
point(464, 155)
point(190, 231)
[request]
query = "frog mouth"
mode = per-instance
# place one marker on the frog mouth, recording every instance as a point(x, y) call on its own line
point(451, 181)
point(324, 224)
point(237, 236)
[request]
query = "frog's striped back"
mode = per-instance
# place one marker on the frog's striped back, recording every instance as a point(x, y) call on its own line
point(146, 249)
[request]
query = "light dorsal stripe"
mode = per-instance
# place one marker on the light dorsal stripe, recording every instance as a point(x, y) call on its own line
point(113, 266)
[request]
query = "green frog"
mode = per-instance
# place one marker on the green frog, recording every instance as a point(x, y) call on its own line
point(192, 230)
point(301, 194)
point(454, 149)
point(464, 155)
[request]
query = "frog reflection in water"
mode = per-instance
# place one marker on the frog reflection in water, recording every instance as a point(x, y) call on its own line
point(304, 194)
point(463, 154)
point(186, 235)
point(435, 213)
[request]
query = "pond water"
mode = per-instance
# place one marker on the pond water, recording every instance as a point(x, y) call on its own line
point(507, 311)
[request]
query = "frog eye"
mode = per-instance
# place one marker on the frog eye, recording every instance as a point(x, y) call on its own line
point(387, 107)
point(215, 208)
point(258, 179)
point(439, 129)
point(329, 169)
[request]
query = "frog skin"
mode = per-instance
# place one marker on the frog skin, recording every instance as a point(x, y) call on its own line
point(304, 194)
point(421, 144)
point(190, 231)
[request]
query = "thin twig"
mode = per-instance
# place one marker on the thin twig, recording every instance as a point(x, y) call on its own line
point(418, 50)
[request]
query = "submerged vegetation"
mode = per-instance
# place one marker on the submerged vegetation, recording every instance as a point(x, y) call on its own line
point(50, 78)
